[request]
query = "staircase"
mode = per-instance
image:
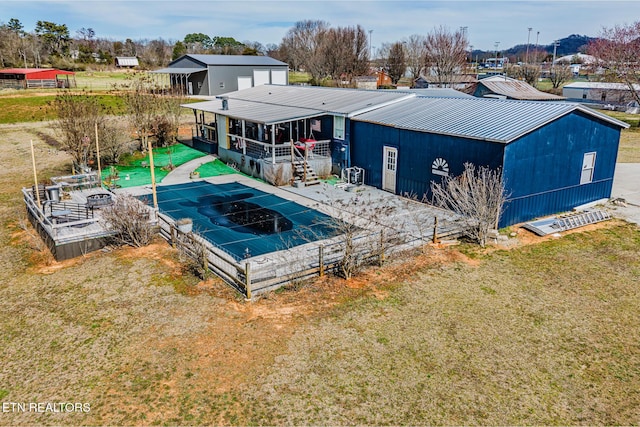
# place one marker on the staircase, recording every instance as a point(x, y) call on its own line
point(579, 219)
point(303, 172)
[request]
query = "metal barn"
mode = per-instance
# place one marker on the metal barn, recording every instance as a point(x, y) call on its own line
point(211, 75)
point(36, 78)
point(554, 155)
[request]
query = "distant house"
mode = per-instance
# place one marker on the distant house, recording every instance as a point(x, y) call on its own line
point(212, 75)
point(457, 81)
point(30, 78)
point(126, 62)
point(599, 93)
point(366, 82)
point(503, 87)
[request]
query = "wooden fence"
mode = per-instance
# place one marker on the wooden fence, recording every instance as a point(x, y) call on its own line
point(258, 275)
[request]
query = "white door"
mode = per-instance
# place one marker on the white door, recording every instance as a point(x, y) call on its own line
point(260, 77)
point(278, 77)
point(389, 168)
point(190, 89)
point(588, 164)
point(244, 83)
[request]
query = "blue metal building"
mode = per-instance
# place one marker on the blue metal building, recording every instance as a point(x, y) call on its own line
point(554, 156)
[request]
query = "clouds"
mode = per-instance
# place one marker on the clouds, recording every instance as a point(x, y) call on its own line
point(267, 21)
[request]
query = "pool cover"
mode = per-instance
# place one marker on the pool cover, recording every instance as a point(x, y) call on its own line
point(242, 220)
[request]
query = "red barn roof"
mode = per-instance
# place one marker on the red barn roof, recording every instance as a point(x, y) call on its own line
point(35, 73)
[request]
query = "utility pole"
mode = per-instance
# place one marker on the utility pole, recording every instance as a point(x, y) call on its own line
point(370, 47)
point(553, 63)
point(496, 58)
point(528, 38)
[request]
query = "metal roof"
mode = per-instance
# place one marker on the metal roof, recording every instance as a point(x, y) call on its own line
point(277, 103)
point(234, 60)
point(28, 71)
point(516, 89)
point(127, 61)
point(439, 92)
point(600, 85)
point(255, 111)
point(179, 70)
point(339, 101)
point(492, 120)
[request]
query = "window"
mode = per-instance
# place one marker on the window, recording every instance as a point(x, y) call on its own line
point(588, 166)
point(338, 127)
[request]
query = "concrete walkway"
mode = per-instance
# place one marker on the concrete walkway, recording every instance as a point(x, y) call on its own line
point(182, 172)
point(626, 185)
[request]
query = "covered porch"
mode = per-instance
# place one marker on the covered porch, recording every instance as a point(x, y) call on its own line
point(281, 145)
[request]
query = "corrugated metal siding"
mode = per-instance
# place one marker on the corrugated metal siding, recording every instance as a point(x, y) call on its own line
point(552, 202)
point(542, 170)
point(416, 153)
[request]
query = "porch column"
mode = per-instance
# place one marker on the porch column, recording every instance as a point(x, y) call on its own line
point(273, 144)
point(244, 141)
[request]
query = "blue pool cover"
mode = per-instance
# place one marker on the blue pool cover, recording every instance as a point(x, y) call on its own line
point(241, 220)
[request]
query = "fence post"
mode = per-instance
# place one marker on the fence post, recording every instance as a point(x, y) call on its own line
point(435, 230)
point(381, 247)
point(321, 260)
point(173, 235)
point(205, 261)
point(247, 278)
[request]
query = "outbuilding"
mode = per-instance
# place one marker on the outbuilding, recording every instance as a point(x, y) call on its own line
point(36, 78)
point(211, 75)
point(554, 156)
point(503, 87)
point(604, 93)
point(126, 62)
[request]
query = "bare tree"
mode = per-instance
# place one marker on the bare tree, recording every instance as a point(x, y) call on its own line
point(114, 139)
point(617, 51)
point(302, 46)
point(446, 54)
point(344, 52)
point(559, 74)
point(77, 115)
point(128, 217)
point(143, 107)
point(415, 54)
point(529, 73)
point(477, 194)
point(397, 62)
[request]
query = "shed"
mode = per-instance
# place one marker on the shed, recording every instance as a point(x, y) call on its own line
point(212, 75)
point(28, 78)
point(504, 87)
point(599, 92)
point(553, 156)
point(126, 61)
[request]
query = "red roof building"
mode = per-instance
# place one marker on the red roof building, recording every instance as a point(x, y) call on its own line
point(27, 78)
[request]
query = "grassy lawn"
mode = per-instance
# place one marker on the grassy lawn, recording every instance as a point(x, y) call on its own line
point(546, 333)
point(26, 106)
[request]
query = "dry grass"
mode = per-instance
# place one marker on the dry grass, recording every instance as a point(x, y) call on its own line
point(542, 334)
point(629, 151)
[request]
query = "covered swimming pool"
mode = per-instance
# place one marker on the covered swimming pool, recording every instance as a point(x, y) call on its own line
point(241, 220)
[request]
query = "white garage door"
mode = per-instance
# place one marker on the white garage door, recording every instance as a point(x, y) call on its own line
point(278, 77)
point(260, 77)
point(244, 83)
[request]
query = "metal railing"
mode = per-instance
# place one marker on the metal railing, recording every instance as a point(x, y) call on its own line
point(60, 216)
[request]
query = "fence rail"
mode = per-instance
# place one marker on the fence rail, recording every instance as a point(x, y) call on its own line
point(256, 275)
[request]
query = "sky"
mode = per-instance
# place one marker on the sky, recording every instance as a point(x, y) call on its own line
point(503, 22)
